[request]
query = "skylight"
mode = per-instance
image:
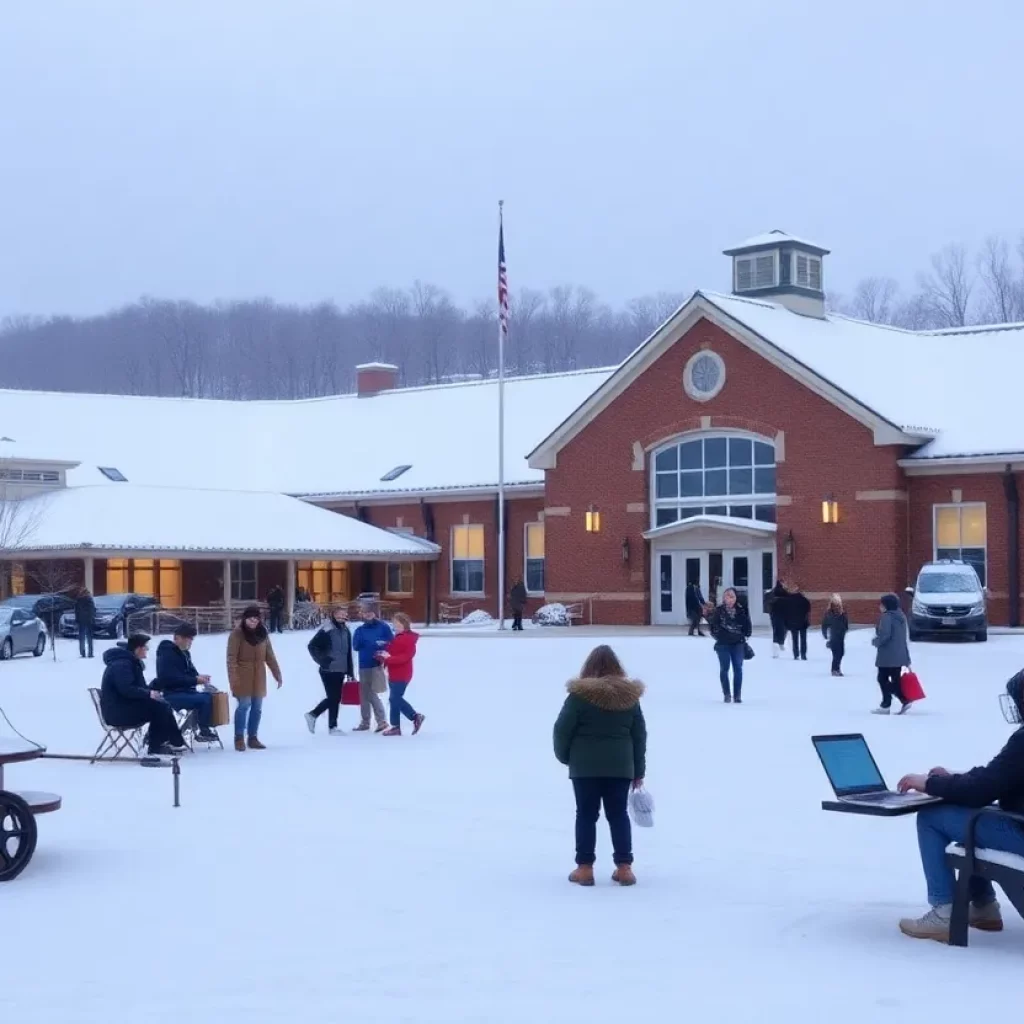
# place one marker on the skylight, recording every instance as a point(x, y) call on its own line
point(113, 474)
point(394, 474)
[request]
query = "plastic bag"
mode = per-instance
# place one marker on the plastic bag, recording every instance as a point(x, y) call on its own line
point(641, 808)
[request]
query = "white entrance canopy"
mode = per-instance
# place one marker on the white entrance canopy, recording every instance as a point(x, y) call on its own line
point(743, 527)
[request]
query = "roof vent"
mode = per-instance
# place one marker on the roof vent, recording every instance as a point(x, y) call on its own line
point(394, 474)
point(113, 474)
point(781, 268)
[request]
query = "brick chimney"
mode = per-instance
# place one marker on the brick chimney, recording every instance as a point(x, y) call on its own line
point(374, 377)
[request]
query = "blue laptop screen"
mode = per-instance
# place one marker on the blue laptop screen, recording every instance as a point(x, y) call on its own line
point(849, 764)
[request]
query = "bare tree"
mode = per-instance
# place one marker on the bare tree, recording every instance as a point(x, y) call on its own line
point(875, 299)
point(53, 576)
point(947, 288)
point(1002, 283)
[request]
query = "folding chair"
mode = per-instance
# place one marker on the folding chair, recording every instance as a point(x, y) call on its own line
point(116, 742)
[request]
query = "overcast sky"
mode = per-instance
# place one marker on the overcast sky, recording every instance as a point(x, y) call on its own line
point(312, 149)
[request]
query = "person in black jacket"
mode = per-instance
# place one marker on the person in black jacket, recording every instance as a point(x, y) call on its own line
point(85, 620)
point(798, 619)
point(517, 603)
point(730, 626)
point(777, 613)
point(834, 627)
point(128, 703)
point(1002, 780)
point(694, 607)
point(179, 681)
point(331, 649)
point(275, 605)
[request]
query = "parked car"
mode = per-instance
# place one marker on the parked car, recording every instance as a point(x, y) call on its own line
point(20, 632)
point(949, 600)
point(112, 614)
point(48, 607)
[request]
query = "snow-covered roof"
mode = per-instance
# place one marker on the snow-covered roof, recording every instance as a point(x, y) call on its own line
point(775, 237)
point(133, 518)
point(447, 434)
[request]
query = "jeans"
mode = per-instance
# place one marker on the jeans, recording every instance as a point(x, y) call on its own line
point(248, 715)
point(799, 637)
point(276, 617)
point(85, 631)
point(838, 648)
point(332, 687)
point(590, 795)
point(939, 826)
point(517, 620)
point(200, 703)
point(889, 684)
point(368, 697)
point(695, 618)
point(730, 654)
point(399, 705)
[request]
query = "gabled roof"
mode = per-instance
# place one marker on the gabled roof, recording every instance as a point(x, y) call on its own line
point(773, 239)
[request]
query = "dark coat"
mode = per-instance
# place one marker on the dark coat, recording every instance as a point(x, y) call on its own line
point(797, 611)
point(891, 641)
point(123, 688)
point(601, 733)
point(1002, 780)
point(777, 602)
point(517, 598)
point(85, 610)
point(694, 600)
point(275, 599)
point(835, 626)
point(320, 649)
point(729, 629)
point(175, 672)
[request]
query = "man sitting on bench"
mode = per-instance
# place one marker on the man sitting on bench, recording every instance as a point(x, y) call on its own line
point(939, 825)
point(177, 679)
point(126, 702)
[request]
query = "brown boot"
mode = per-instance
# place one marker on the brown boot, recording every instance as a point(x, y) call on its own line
point(583, 875)
point(623, 874)
point(239, 743)
point(254, 744)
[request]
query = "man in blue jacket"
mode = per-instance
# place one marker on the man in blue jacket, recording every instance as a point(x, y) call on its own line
point(178, 680)
point(368, 641)
point(128, 703)
point(1002, 780)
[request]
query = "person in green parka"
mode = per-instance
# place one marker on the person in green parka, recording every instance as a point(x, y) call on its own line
point(602, 737)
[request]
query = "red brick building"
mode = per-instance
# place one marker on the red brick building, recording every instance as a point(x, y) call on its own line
point(752, 436)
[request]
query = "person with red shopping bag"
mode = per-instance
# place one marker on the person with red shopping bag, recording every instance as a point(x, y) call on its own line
point(397, 658)
point(892, 654)
point(911, 686)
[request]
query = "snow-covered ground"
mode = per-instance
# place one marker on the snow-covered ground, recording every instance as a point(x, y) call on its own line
point(423, 879)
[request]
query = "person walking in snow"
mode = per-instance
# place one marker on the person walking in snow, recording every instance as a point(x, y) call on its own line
point(331, 649)
point(85, 620)
point(731, 626)
point(798, 620)
point(397, 657)
point(694, 607)
point(777, 613)
point(249, 655)
point(275, 605)
point(601, 735)
point(517, 603)
point(834, 627)
point(892, 654)
point(369, 639)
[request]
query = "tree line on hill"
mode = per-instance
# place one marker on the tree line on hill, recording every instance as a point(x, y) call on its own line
point(259, 348)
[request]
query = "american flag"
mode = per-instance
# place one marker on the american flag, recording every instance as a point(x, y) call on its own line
point(502, 279)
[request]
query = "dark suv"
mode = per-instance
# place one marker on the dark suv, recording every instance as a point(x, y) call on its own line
point(112, 614)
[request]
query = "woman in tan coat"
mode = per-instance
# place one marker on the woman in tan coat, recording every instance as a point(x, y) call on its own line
point(249, 656)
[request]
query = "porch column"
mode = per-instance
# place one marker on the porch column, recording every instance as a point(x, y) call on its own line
point(227, 594)
point(90, 564)
point(290, 591)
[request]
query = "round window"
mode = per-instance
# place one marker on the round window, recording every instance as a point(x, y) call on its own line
point(704, 375)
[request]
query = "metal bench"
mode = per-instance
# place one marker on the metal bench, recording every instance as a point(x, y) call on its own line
point(1003, 869)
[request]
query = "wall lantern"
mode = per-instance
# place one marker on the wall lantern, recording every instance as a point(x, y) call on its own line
point(789, 545)
point(593, 520)
point(829, 509)
point(625, 550)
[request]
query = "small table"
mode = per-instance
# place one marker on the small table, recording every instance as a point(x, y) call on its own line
point(18, 833)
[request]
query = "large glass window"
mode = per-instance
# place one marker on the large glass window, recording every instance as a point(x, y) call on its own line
point(961, 533)
point(467, 560)
point(117, 576)
point(243, 581)
point(726, 475)
point(534, 567)
point(400, 577)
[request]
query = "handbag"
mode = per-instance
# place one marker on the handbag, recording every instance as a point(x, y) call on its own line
point(748, 652)
point(350, 693)
point(220, 714)
point(910, 686)
point(641, 808)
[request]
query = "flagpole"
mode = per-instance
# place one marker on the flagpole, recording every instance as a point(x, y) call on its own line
point(501, 433)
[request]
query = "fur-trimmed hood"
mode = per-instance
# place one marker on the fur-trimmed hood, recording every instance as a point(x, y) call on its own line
point(610, 693)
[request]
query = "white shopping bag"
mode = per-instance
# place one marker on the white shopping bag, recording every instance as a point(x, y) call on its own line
point(641, 808)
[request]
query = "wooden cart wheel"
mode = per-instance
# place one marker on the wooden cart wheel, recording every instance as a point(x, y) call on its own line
point(18, 835)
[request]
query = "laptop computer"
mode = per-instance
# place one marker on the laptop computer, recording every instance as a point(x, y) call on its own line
point(855, 777)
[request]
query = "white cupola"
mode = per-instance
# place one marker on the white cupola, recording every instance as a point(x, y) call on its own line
point(782, 268)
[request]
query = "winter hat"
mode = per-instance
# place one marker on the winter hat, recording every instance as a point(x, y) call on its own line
point(890, 602)
point(252, 611)
point(135, 641)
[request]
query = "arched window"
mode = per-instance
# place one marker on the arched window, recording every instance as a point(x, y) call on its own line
point(715, 475)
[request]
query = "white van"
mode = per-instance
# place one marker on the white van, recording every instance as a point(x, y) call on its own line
point(948, 600)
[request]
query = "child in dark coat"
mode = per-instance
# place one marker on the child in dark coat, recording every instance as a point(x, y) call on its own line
point(834, 627)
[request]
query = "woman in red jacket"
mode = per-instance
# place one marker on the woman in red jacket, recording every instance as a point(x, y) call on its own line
point(398, 659)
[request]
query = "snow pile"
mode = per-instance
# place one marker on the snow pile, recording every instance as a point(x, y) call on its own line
point(552, 615)
point(478, 618)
